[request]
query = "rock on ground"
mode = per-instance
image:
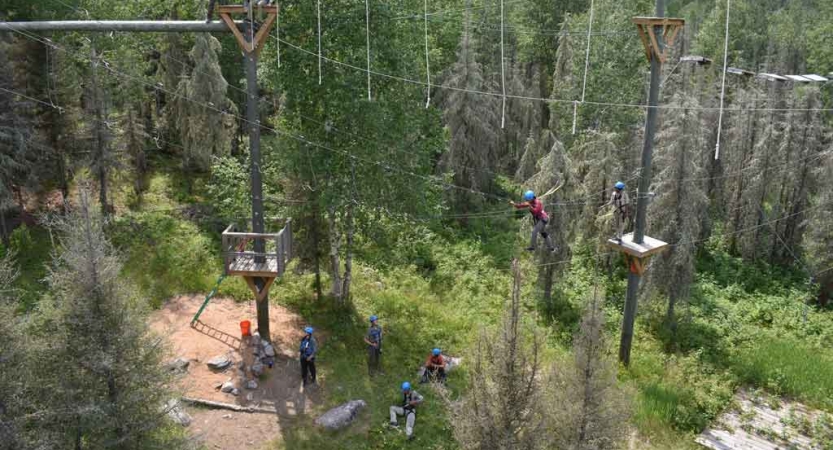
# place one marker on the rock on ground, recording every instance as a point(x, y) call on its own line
point(340, 416)
point(221, 362)
point(257, 369)
point(251, 384)
point(228, 387)
point(177, 413)
point(179, 365)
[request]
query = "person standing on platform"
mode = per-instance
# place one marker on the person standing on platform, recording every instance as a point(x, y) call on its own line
point(621, 208)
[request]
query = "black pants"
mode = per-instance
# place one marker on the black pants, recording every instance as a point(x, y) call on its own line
point(437, 374)
point(374, 359)
point(308, 369)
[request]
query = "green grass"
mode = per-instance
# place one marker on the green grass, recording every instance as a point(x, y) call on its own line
point(790, 367)
point(32, 247)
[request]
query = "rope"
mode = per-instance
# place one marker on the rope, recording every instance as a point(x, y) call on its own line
point(427, 64)
point(502, 71)
point(319, 43)
point(723, 83)
point(278, 37)
point(586, 65)
point(367, 33)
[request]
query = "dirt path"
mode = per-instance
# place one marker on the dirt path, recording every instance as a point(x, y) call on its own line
point(279, 388)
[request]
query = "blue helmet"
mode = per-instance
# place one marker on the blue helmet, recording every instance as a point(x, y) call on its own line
point(529, 195)
point(406, 386)
point(308, 330)
point(373, 318)
point(436, 352)
point(619, 185)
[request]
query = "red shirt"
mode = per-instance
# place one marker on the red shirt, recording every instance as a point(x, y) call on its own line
point(536, 208)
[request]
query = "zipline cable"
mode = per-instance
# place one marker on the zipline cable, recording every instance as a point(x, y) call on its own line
point(723, 83)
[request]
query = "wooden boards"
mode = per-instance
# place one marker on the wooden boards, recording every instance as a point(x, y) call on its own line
point(762, 423)
point(648, 247)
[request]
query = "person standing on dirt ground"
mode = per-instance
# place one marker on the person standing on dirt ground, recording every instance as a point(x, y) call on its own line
point(410, 400)
point(308, 350)
point(373, 339)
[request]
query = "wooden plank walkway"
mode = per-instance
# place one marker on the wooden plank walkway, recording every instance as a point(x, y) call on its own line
point(759, 425)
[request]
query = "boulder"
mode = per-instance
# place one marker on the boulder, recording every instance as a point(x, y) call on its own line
point(177, 413)
point(221, 362)
point(257, 369)
point(227, 387)
point(235, 392)
point(251, 384)
point(268, 350)
point(179, 365)
point(340, 416)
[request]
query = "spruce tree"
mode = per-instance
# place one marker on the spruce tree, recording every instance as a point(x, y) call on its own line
point(586, 409)
point(473, 124)
point(676, 213)
point(102, 159)
point(16, 140)
point(107, 387)
point(204, 112)
point(504, 411)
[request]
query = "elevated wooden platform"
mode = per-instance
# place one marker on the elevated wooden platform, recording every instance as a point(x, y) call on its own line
point(240, 258)
point(649, 247)
point(258, 268)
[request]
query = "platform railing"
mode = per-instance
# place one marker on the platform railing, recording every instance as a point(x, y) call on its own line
point(277, 246)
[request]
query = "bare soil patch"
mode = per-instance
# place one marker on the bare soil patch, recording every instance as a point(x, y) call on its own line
point(219, 334)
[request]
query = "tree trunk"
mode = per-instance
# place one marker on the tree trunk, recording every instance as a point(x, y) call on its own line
point(316, 243)
point(100, 141)
point(335, 263)
point(4, 232)
point(351, 230)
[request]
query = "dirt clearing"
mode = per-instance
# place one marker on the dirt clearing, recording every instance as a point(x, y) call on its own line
point(218, 334)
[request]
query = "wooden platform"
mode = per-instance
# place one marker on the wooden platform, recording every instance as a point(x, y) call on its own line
point(246, 265)
point(762, 424)
point(649, 247)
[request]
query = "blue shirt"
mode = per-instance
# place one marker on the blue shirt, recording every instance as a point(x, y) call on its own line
point(308, 347)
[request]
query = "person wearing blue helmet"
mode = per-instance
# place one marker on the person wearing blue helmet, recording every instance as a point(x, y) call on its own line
point(308, 350)
point(434, 367)
point(373, 339)
point(410, 400)
point(539, 217)
point(621, 208)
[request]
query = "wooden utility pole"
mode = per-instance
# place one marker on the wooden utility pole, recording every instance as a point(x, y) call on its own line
point(655, 33)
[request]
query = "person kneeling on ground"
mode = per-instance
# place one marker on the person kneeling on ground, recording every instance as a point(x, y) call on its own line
point(410, 400)
point(434, 367)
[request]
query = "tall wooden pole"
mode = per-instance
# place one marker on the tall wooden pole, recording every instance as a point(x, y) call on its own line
point(644, 185)
point(253, 120)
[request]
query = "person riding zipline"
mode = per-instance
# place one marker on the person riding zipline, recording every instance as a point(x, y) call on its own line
point(540, 218)
point(621, 208)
